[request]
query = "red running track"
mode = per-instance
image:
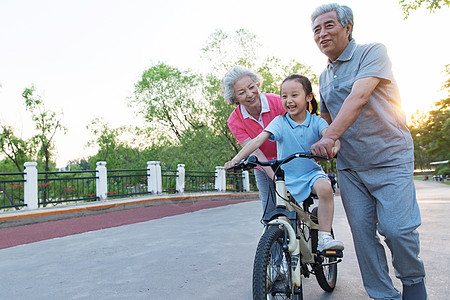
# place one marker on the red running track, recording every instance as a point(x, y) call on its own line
point(19, 235)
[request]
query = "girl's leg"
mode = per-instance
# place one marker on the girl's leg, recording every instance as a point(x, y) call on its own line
point(324, 191)
point(322, 188)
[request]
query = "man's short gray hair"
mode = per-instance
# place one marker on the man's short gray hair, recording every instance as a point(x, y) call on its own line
point(230, 79)
point(344, 14)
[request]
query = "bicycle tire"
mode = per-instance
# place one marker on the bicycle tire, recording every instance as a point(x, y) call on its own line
point(326, 275)
point(272, 280)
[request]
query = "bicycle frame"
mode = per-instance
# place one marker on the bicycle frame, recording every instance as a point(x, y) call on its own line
point(300, 232)
point(297, 243)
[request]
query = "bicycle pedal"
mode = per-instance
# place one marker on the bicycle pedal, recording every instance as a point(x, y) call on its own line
point(331, 253)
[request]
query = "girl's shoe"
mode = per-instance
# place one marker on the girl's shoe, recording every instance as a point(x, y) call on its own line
point(327, 242)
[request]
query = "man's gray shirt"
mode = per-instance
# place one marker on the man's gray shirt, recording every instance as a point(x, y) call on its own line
point(379, 137)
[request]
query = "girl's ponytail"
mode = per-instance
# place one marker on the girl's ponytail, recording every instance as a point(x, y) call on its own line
point(313, 106)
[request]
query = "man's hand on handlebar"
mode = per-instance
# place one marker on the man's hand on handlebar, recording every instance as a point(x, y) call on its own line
point(326, 147)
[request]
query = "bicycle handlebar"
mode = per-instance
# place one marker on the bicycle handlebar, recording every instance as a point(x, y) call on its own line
point(252, 161)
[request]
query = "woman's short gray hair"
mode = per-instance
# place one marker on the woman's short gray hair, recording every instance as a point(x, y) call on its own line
point(344, 14)
point(230, 79)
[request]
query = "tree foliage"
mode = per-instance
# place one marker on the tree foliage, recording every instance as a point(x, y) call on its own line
point(47, 124)
point(273, 71)
point(431, 5)
point(431, 131)
point(171, 98)
point(14, 148)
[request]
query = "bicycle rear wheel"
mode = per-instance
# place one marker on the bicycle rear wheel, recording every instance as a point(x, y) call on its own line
point(326, 270)
point(272, 268)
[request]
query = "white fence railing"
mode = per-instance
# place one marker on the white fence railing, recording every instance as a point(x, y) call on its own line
point(154, 181)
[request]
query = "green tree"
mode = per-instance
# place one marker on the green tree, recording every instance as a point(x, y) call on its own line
point(17, 153)
point(47, 123)
point(431, 131)
point(219, 112)
point(114, 148)
point(203, 149)
point(273, 71)
point(107, 140)
point(431, 5)
point(170, 99)
point(416, 127)
point(436, 136)
point(81, 164)
point(14, 148)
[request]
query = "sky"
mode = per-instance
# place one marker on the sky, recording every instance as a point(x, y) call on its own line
point(84, 56)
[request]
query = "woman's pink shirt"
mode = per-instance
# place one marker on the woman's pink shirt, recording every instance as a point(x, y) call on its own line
point(242, 129)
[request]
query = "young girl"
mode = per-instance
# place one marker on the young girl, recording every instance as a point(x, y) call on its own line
point(296, 131)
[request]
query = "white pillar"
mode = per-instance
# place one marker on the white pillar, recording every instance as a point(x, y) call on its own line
point(180, 178)
point(154, 177)
point(102, 180)
point(246, 181)
point(31, 185)
point(221, 180)
point(159, 177)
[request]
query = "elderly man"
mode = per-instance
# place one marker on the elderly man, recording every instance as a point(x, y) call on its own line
point(360, 100)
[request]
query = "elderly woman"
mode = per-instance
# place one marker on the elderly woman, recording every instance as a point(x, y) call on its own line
point(254, 111)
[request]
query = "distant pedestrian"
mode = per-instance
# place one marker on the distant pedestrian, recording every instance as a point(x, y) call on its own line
point(332, 177)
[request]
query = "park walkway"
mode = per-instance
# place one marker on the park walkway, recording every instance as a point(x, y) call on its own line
point(191, 250)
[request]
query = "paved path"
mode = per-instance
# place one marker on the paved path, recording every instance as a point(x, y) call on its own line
point(20, 235)
point(198, 254)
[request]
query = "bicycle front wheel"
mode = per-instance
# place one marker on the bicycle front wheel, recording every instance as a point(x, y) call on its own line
point(272, 268)
point(326, 273)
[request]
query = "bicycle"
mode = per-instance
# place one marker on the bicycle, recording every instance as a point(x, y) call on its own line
point(287, 250)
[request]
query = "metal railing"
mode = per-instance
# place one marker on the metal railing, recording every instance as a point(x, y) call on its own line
point(234, 182)
point(12, 190)
point(56, 187)
point(169, 181)
point(124, 184)
point(200, 181)
point(252, 179)
point(66, 186)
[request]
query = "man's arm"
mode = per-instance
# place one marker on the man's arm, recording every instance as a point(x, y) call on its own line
point(326, 116)
point(349, 112)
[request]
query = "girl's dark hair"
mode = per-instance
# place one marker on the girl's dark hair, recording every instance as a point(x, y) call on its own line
point(304, 81)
